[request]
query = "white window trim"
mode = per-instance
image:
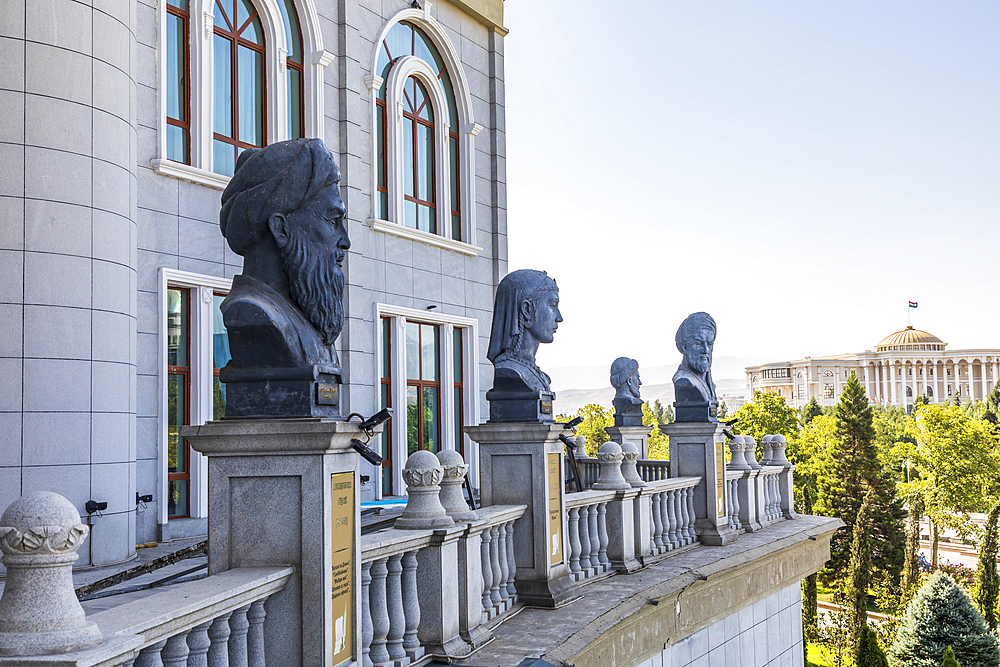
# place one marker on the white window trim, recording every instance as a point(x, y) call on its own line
point(467, 131)
point(424, 237)
point(469, 330)
point(201, 49)
point(200, 322)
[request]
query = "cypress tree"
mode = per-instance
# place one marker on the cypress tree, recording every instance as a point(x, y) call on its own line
point(942, 615)
point(850, 470)
point(911, 566)
point(987, 579)
point(869, 654)
point(859, 571)
point(949, 659)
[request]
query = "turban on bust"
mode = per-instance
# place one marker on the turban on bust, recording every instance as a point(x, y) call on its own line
point(622, 370)
point(279, 178)
point(690, 325)
point(514, 289)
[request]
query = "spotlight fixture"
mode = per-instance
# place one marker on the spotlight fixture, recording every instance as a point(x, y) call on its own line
point(573, 423)
point(93, 506)
point(377, 419)
point(368, 426)
point(431, 307)
point(367, 453)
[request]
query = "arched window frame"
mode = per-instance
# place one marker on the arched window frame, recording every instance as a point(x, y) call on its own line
point(405, 67)
point(201, 84)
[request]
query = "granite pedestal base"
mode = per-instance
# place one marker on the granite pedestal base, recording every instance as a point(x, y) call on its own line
point(272, 502)
point(637, 435)
point(521, 463)
point(698, 449)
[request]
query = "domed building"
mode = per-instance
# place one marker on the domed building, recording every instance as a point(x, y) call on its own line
point(904, 365)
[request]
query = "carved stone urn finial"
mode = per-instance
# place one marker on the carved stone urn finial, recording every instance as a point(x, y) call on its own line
point(452, 499)
point(765, 450)
point(423, 474)
point(737, 447)
point(631, 455)
point(778, 458)
point(610, 458)
point(39, 613)
point(750, 452)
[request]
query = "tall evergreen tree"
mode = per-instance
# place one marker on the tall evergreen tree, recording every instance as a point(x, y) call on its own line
point(941, 615)
point(810, 411)
point(859, 571)
point(850, 471)
point(987, 579)
point(869, 654)
point(911, 566)
point(992, 413)
point(950, 660)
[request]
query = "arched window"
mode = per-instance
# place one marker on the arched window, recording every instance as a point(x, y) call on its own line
point(239, 120)
point(177, 89)
point(909, 392)
point(295, 72)
point(426, 156)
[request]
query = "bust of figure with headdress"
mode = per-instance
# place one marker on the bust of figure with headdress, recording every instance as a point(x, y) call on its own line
point(694, 390)
point(627, 403)
point(525, 314)
point(282, 212)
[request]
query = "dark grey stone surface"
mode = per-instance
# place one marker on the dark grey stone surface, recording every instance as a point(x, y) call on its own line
point(627, 403)
point(283, 213)
point(525, 314)
point(694, 390)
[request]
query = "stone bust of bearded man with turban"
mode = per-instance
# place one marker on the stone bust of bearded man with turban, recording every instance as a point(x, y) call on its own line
point(282, 212)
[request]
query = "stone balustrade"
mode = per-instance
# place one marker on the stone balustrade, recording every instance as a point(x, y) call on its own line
point(653, 470)
point(733, 500)
point(672, 518)
point(588, 533)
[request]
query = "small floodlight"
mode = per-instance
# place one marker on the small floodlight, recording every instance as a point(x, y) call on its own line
point(367, 453)
point(377, 419)
point(368, 426)
point(573, 423)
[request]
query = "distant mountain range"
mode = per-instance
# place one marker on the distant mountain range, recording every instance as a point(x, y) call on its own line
point(576, 386)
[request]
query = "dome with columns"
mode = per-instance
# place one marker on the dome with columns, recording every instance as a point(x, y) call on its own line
point(910, 340)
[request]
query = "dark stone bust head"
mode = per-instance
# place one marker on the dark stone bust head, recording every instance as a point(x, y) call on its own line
point(282, 212)
point(627, 402)
point(525, 314)
point(693, 383)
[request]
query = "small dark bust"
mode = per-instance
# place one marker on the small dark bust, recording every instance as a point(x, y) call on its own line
point(282, 212)
point(694, 390)
point(627, 403)
point(525, 314)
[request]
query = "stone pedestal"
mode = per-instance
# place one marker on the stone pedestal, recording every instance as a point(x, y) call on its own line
point(285, 492)
point(698, 449)
point(637, 435)
point(521, 463)
point(622, 531)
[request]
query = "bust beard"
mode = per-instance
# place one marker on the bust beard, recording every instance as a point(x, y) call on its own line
point(315, 283)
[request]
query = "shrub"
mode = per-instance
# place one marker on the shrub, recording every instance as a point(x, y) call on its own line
point(869, 654)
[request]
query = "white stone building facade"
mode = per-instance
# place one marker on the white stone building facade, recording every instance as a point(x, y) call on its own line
point(904, 365)
point(120, 121)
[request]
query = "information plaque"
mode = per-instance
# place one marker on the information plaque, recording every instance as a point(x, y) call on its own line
point(720, 476)
point(555, 509)
point(342, 561)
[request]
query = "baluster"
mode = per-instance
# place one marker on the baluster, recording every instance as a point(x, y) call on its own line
point(411, 604)
point(687, 517)
point(574, 540)
point(176, 651)
point(380, 613)
point(394, 604)
point(487, 575)
point(584, 543)
point(602, 532)
point(495, 566)
point(595, 541)
point(150, 656)
point(654, 510)
point(198, 645)
point(692, 535)
point(504, 568)
point(238, 627)
point(511, 564)
point(255, 636)
point(736, 503)
point(729, 504)
point(218, 637)
point(672, 522)
point(366, 615)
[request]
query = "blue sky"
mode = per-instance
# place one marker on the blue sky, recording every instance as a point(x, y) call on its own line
point(798, 169)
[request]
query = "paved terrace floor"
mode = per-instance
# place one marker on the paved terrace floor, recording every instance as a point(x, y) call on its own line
point(559, 635)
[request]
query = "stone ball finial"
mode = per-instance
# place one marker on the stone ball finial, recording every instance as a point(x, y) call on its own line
point(629, 471)
point(778, 457)
point(581, 447)
point(750, 452)
point(39, 612)
point(452, 499)
point(610, 458)
point(423, 474)
point(765, 450)
point(737, 459)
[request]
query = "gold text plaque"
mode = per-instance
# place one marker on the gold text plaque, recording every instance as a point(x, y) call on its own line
point(555, 509)
point(342, 561)
point(720, 476)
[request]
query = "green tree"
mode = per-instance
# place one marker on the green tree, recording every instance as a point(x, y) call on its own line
point(992, 412)
point(859, 571)
point(657, 442)
point(987, 579)
point(956, 466)
point(595, 420)
point(662, 415)
point(850, 471)
point(942, 615)
point(920, 400)
point(911, 566)
point(810, 411)
point(869, 654)
point(950, 660)
point(766, 414)
point(723, 410)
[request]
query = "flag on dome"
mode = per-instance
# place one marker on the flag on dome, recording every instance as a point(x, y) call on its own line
point(913, 304)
